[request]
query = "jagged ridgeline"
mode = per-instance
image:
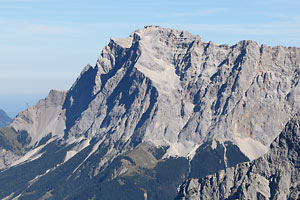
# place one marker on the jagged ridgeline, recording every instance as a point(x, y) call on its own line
point(276, 175)
point(159, 107)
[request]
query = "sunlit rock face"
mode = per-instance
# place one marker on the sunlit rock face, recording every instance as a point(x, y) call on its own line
point(160, 94)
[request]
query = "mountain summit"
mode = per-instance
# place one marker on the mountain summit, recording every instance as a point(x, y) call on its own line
point(158, 107)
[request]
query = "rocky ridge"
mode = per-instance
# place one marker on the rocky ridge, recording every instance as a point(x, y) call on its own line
point(276, 175)
point(160, 94)
point(244, 93)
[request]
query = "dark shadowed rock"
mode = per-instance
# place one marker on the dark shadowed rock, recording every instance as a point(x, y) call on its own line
point(276, 175)
point(4, 119)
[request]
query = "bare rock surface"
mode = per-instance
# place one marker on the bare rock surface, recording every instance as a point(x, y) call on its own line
point(276, 175)
point(168, 87)
point(161, 88)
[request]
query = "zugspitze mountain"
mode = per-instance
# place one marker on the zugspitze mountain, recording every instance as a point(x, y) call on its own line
point(158, 107)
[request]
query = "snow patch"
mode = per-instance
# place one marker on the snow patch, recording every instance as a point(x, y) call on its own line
point(32, 154)
point(193, 152)
point(187, 150)
point(95, 148)
point(69, 155)
point(158, 69)
point(81, 144)
point(251, 148)
point(39, 176)
point(17, 197)
point(9, 196)
point(213, 145)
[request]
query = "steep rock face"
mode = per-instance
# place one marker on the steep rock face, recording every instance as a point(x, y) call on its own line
point(30, 127)
point(11, 146)
point(4, 119)
point(46, 117)
point(276, 175)
point(170, 88)
point(160, 95)
point(213, 156)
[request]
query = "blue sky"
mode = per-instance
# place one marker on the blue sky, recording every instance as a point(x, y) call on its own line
point(46, 43)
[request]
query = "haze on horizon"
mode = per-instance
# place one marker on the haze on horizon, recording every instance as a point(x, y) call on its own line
point(46, 43)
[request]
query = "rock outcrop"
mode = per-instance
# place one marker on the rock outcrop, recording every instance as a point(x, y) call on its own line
point(276, 175)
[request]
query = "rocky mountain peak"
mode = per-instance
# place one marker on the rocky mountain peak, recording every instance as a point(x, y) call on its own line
point(161, 96)
point(169, 88)
point(46, 117)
